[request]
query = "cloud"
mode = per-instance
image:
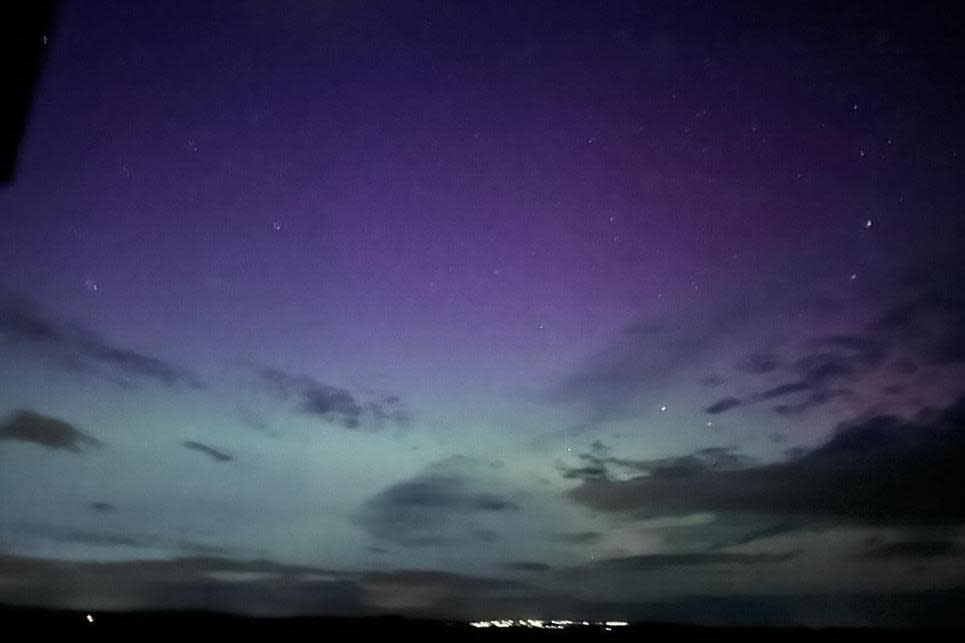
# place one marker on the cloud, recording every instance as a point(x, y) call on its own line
point(76, 348)
point(650, 562)
point(782, 390)
point(915, 549)
point(253, 588)
point(426, 592)
point(881, 471)
point(606, 385)
point(526, 566)
point(817, 376)
point(440, 506)
point(84, 537)
point(759, 534)
point(599, 465)
point(49, 432)
point(104, 538)
point(579, 537)
point(757, 363)
point(923, 325)
point(722, 405)
point(920, 324)
point(333, 404)
point(266, 588)
point(214, 454)
point(252, 419)
point(930, 318)
point(210, 583)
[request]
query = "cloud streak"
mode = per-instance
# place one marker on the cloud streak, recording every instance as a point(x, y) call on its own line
point(650, 562)
point(77, 348)
point(215, 454)
point(48, 432)
point(916, 550)
point(113, 539)
point(923, 325)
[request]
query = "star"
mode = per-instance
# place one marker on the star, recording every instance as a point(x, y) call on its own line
point(867, 223)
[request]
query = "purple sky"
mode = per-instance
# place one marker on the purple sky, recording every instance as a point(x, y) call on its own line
point(381, 289)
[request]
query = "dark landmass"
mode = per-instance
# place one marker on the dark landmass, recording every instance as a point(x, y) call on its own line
point(76, 623)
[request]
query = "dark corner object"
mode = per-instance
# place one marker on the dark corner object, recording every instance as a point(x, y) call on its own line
point(25, 32)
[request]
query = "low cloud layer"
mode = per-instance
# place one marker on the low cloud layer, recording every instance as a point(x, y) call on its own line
point(879, 471)
point(109, 540)
point(255, 587)
point(443, 505)
point(260, 587)
point(48, 432)
point(579, 537)
point(915, 550)
point(651, 562)
point(252, 587)
point(600, 464)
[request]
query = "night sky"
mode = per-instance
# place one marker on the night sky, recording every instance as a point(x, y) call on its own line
point(489, 310)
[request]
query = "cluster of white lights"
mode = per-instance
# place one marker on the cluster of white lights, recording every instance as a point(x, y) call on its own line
point(546, 625)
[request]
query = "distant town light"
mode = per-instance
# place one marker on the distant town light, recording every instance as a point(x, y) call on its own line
point(540, 624)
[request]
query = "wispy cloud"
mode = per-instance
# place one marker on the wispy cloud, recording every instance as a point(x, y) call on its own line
point(922, 325)
point(75, 348)
point(333, 404)
point(649, 562)
point(215, 454)
point(915, 549)
point(106, 538)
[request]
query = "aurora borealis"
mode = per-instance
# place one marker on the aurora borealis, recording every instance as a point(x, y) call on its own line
point(555, 310)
